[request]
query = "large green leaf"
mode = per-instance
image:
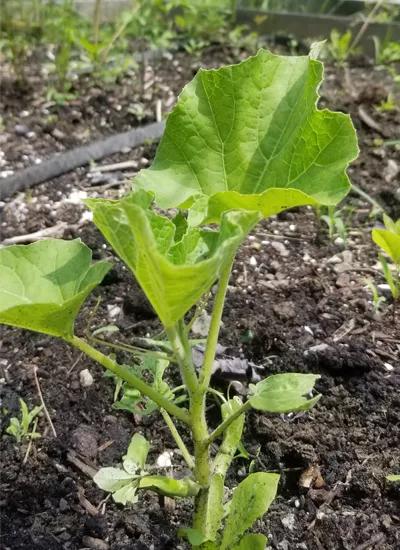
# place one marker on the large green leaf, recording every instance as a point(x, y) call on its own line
point(248, 128)
point(250, 501)
point(173, 275)
point(43, 285)
point(283, 393)
point(389, 241)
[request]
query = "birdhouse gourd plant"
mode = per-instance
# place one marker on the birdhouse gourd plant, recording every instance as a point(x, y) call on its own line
point(243, 143)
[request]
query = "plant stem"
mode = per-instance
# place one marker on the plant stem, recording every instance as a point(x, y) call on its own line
point(178, 440)
point(202, 459)
point(183, 355)
point(132, 379)
point(96, 21)
point(212, 340)
point(227, 422)
point(365, 25)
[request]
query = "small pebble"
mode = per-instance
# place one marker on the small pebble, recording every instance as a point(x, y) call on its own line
point(21, 130)
point(164, 460)
point(85, 378)
point(280, 248)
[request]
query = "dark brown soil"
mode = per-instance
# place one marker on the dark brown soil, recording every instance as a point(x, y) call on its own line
point(297, 302)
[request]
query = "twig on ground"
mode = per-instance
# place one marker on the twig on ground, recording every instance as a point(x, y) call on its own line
point(72, 457)
point(55, 231)
point(115, 166)
point(75, 363)
point(28, 450)
point(46, 412)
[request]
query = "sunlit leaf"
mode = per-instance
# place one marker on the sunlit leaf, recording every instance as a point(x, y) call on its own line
point(389, 241)
point(43, 285)
point(251, 127)
point(283, 393)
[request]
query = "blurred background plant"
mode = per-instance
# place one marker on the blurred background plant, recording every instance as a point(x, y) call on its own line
point(68, 43)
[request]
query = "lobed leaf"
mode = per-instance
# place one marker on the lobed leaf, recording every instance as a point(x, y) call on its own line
point(389, 241)
point(283, 393)
point(44, 284)
point(249, 128)
point(250, 501)
point(173, 275)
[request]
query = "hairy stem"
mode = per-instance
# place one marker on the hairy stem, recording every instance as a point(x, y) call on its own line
point(227, 422)
point(132, 379)
point(178, 440)
point(183, 355)
point(212, 340)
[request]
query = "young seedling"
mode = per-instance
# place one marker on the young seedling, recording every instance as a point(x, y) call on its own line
point(22, 429)
point(336, 224)
point(388, 240)
point(243, 143)
point(377, 300)
point(393, 477)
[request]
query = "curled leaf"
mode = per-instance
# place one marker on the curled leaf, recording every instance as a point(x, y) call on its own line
point(173, 275)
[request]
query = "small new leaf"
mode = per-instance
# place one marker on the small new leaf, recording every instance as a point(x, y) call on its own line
point(283, 393)
point(136, 456)
point(44, 284)
point(20, 429)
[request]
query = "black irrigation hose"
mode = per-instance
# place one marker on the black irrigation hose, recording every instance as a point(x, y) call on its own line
point(65, 162)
